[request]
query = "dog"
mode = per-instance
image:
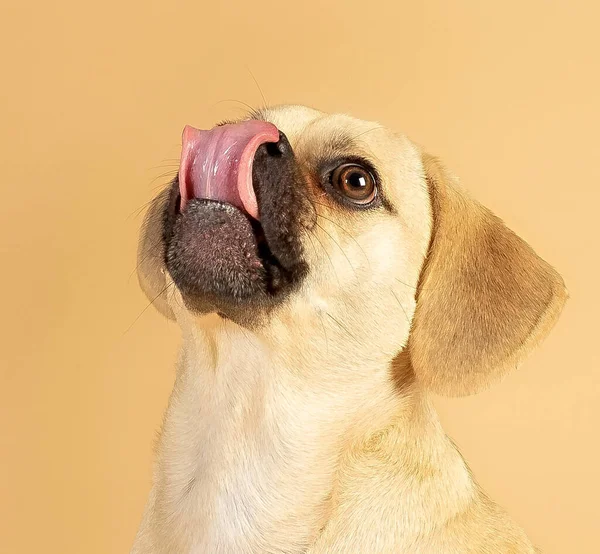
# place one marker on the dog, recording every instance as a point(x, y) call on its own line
point(328, 276)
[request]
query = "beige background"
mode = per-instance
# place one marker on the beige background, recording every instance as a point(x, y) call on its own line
point(93, 99)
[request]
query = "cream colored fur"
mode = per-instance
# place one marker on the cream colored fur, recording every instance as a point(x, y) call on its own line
point(314, 432)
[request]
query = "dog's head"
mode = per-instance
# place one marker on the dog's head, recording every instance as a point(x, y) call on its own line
point(346, 239)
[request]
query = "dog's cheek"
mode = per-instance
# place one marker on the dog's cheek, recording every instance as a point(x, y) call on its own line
point(150, 255)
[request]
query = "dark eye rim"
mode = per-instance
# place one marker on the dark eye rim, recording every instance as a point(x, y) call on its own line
point(327, 183)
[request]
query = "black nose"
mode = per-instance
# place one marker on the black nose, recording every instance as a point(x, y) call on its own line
point(281, 191)
point(274, 167)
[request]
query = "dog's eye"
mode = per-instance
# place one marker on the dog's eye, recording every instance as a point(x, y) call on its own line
point(355, 182)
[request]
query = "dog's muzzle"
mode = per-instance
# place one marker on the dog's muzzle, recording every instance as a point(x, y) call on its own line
point(233, 225)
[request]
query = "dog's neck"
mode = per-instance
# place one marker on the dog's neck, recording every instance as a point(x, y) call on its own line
point(256, 450)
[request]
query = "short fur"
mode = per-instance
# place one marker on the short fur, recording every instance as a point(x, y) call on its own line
point(314, 432)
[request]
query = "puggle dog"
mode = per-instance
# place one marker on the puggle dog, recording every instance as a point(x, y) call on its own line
point(328, 276)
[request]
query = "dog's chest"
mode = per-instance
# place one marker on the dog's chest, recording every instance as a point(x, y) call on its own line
point(235, 479)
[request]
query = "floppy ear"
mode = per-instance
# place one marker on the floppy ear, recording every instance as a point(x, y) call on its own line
point(150, 256)
point(484, 300)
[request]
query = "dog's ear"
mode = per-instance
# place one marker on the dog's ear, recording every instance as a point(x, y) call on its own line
point(150, 256)
point(484, 298)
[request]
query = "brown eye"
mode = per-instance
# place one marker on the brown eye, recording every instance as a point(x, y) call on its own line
point(355, 183)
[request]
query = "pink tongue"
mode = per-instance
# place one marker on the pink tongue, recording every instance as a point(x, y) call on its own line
point(217, 164)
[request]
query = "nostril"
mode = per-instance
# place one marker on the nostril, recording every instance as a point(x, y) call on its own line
point(279, 148)
point(275, 149)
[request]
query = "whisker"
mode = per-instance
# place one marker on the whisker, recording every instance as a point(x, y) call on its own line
point(137, 211)
point(421, 287)
point(309, 200)
point(265, 103)
point(368, 131)
point(405, 284)
point(144, 310)
point(164, 166)
point(170, 173)
point(324, 330)
point(340, 248)
point(321, 204)
point(165, 185)
point(308, 236)
point(399, 304)
point(349, 234)
point(252, 110)
point(144, 258)
point(340, 325)
point(328, 257)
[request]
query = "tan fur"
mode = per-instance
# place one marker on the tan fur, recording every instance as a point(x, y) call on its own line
point(314, 433)
point(503, 298)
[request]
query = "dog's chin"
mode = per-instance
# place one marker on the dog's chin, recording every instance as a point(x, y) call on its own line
point(223, 261)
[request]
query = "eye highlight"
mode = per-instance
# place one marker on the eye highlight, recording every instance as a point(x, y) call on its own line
point(355, 183)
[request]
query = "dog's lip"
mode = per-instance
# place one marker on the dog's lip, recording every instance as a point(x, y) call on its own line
point(217, 164)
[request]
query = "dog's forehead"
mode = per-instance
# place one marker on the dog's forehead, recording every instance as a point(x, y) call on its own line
point(315, 134)
point(307, 127)
point(291, 119)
